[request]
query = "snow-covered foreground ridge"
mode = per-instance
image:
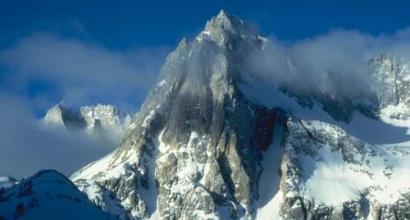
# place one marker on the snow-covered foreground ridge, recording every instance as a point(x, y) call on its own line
point(47, 195)
point(212, 142)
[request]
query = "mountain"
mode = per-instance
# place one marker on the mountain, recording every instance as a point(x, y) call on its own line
point(188, 153)
point(87, 117)
point(47, 195)
point(212, 142)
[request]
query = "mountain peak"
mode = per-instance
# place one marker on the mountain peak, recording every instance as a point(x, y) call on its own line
point(224, 17)
point(222, 21)
point(225, 26)
point(222, 13)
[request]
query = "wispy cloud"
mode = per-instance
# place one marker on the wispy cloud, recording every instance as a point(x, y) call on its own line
point(41, 70)
point(80, 71)
point(342, 54)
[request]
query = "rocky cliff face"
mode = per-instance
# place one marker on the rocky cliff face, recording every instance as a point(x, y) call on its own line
point(200, 149)
point(60, 115)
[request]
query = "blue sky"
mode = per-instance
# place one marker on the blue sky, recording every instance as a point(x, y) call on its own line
point(141, 33)
point(129, 24)
point(125, 24)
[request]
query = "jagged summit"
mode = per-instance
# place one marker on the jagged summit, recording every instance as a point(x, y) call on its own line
point(222, 13)
point(223, 21)
point(206, 60)
point(224, 26)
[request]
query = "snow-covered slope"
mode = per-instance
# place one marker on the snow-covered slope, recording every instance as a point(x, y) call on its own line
point(47, 195)
point(327, 172)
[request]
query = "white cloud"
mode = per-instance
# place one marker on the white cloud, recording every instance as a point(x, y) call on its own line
point(81, 72)
point(78, 73)
point(344, 54)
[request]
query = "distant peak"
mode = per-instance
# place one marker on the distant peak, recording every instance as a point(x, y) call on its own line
point(60, 107)
point(223, 14)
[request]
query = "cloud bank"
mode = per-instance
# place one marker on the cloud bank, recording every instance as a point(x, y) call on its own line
point(341, 54)
point(40, 71)
point(81, 72)
point(336, 70)
point(26, 145)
